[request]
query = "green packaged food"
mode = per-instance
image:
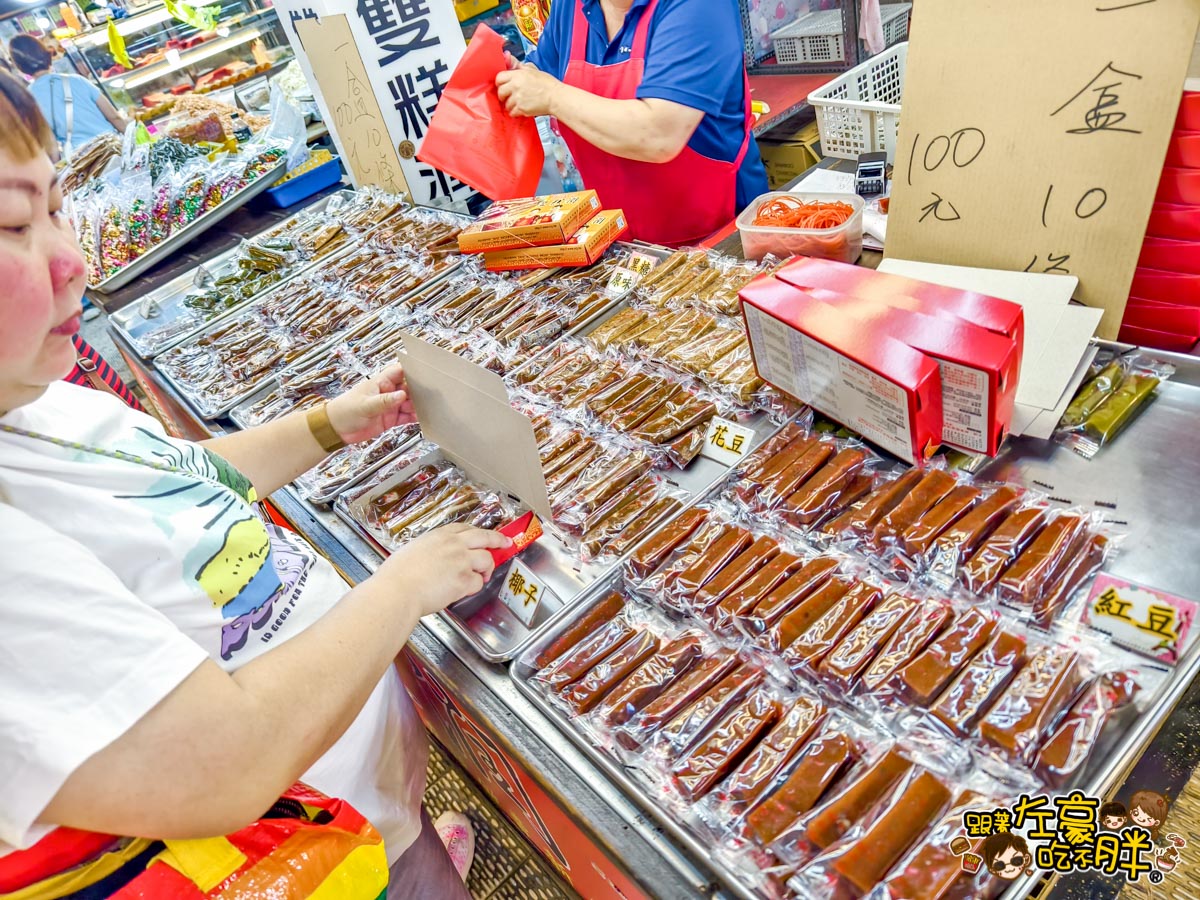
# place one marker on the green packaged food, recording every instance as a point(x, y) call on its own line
point(1106, 422)
point(1093, 395)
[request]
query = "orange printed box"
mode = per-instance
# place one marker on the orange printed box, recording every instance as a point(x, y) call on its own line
point(585, 247)
point(531, 222)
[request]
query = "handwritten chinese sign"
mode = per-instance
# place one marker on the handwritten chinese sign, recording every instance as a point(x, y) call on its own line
point(406, 50)
point(1033, 136)
point(1149, 621)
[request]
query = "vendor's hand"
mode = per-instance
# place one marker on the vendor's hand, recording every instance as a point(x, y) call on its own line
point(372, 407)
point(527, 91)
point(442, 566)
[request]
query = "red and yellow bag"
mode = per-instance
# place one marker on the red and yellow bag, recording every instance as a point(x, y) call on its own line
point(308, 847)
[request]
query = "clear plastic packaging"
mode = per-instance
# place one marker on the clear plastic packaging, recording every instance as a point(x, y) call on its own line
point(1107, 403)
point(841, 243)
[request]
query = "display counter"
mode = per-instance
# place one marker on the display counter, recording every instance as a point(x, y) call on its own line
point(605, 840)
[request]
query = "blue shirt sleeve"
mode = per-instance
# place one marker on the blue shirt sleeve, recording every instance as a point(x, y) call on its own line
point(694, 54)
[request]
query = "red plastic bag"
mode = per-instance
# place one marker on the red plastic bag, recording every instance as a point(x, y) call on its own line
point(473, 138)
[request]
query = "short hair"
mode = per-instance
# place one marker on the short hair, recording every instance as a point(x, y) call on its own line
point(29, 54)
point(1114, 809)
point(24, 133)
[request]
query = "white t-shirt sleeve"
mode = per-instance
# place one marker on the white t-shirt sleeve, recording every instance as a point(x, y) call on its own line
point(81, 660)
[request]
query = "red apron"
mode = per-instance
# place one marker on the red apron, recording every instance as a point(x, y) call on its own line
point(675, 203)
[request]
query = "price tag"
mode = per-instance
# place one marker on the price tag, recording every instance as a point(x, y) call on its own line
point(625, 278)
point(621, 282)
point(727, 442)
point(1152, 622)
point(522, 592)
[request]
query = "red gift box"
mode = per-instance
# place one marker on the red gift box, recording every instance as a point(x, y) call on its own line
point(523, 531)
point(848, 368)
point(979, 368)
point(1000, 316)
point(1184, 150)
point(1170, 255)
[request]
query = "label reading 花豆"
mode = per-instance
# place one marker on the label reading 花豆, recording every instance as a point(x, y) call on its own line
point(727, 442)
point(832, 384)
point(966, 414)
point(522, 592)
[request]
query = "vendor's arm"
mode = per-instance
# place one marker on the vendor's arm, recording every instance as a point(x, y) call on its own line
point(274, 454)
point(124, 726)
point(648, 130)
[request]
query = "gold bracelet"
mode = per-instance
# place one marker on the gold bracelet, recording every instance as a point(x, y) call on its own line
point(322, 429)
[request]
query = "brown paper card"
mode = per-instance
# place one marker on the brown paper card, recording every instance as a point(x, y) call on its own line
point(464, 409)
point(363, 135)
point(1033, 136)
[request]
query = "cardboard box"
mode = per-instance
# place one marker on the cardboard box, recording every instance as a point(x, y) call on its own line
point(532, 222)
point(848, 368)
point(1000, 316)
point(979, 369)
point(584, 247)
point(790, 156)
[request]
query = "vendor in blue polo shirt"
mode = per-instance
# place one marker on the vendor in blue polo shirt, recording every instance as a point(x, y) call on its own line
point(653, 101)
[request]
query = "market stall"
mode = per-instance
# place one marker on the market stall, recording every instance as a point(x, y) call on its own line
point(482, 673)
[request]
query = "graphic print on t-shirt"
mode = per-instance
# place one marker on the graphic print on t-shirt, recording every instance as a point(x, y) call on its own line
point(235, 563)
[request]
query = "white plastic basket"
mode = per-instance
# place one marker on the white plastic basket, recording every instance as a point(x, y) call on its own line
point(859, 111)
point(813, 38)
point(895, 22)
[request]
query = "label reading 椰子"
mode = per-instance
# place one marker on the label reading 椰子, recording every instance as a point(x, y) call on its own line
point(522, 592)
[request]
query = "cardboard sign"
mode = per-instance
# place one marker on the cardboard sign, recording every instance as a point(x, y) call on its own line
point(522, 592)
point(464, 409)
point(727, 442)
point(1144, 619)
point(355, 118)
point(625, 278)
point(1048, 164)
point(379, 76)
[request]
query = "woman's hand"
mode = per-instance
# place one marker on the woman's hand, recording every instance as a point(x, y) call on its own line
point(442, 566)
point(371, 408)
point(527, 91)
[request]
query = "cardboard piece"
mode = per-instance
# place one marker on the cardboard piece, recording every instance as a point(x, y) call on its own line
point(851, 369)
point(357, 120)
point(1047, 420)
point(464, 409)
point(1049, 169)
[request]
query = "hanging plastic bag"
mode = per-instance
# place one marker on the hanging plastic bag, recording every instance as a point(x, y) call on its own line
point(503, 158)
point(287, 127)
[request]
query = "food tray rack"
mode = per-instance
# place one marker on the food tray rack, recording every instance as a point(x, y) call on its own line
point(161, 251)
point(130, 322)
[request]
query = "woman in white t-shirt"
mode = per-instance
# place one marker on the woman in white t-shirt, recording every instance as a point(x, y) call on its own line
point(169, 664)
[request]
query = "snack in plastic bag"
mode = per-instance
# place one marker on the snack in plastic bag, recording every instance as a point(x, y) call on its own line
point(649, 681)
point(927, 675)
point(816, 768)
point(583, 626)
point(1019, 720)
point(979, 685)
point(850, 659)
point(982, 571)
point(682, 693)
point(725, 744)
point(811, 648)
point(1067, 750)
point(586, 693)
point(920, 628)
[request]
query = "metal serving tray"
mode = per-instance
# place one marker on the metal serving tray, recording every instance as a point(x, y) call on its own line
point(161, 251)
point(627, 778)
point(212, 411)
point(487, 624)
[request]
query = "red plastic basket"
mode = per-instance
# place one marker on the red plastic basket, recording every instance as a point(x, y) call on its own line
point(1172, 220)
point(1170, 255)
point(1179, 186)
point(1176, 288)
point(1184, 150)
point(1189, 112)
point(1158, 340)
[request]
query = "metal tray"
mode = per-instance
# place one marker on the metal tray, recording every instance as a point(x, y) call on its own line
point(250, 388)
point(625, 777)
point(1120, 746)
point(161, 251)
point(489, 626)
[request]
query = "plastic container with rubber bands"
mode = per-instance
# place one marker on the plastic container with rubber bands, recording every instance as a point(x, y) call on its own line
point(842, 243)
